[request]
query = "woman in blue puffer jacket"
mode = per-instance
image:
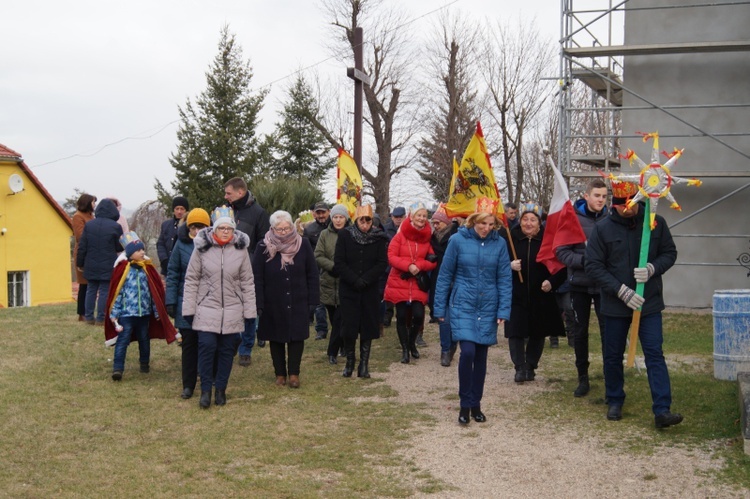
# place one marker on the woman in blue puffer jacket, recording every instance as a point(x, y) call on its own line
point(473, 292)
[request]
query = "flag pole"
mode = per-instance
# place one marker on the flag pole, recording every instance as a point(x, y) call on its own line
point(642, 262)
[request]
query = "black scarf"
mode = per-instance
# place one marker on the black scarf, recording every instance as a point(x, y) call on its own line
point(364, 238)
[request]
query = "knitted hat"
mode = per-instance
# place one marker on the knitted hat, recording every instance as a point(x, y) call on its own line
point(132, 243)
point(223, 215)
point(198, 216)
point(440, 216)
point(339, 209)
point(180, 201)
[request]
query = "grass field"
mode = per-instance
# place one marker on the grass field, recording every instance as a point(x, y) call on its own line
point(68, 430)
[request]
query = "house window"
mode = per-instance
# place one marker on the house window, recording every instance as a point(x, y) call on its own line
point(18, 289)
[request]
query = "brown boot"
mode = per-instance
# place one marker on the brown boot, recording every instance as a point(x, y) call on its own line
point(293, 381)
point(280, 380)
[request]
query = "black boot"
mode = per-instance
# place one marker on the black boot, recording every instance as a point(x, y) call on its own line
point(520, 376)
point(205, 401)
point(350, 358)
point(583, 386)
point(220, 397)
point(403, 338)
point(364, 359)
point(412, 342)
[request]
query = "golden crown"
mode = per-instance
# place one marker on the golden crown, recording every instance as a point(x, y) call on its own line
point(487, 205)
point(222, 212)
point(622, 189)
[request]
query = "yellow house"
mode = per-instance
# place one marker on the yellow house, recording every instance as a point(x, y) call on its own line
point(35, 235)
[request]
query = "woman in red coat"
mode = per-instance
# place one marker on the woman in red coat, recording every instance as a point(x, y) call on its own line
point(408, 256)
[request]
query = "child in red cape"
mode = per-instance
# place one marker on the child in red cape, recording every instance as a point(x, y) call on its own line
point(135, 306)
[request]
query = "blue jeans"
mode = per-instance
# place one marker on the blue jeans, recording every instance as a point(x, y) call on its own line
point(132, 326)
point(446, 343)
point(218, 348)
point(321, 321)
point(248, 337)
point(94, 303)
point(472, 369)
point(650, 336)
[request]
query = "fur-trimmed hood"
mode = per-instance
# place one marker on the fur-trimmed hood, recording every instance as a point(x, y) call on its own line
point(205, 239)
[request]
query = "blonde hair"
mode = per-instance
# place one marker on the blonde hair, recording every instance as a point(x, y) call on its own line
point(476, 218)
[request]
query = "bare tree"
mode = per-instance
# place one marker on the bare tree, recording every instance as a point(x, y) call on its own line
point(451, 110)
point(146, 222)
point(516, 61)
point(385, 63)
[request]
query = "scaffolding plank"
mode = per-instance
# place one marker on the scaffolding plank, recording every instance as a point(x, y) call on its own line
point(661, 48)
point(597, 161)
point(598, 79)
point(696, 174)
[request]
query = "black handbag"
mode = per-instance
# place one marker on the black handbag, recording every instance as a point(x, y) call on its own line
point(423, 281)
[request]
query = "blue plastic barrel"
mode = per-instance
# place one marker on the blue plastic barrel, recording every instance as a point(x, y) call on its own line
point(731, 333)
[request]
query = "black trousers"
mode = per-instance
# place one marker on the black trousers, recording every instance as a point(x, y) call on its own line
point(279, 357)
point(410, 315)
point(334, 341)
point(581, 304)
point(82, 299)
point(526, 352)
point(190, 358)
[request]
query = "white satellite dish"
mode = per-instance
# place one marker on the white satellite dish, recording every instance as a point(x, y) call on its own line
point(15, 182)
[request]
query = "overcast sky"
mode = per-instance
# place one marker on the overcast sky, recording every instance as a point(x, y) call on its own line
point(81, 75)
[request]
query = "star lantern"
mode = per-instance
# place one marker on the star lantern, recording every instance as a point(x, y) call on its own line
point(655, 179)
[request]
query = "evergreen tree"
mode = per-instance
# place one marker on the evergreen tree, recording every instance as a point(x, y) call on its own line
point(216, 138)
point(300, 149)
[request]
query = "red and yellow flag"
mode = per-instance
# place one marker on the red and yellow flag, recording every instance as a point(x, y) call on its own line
point(472, 180)
point(348, 183)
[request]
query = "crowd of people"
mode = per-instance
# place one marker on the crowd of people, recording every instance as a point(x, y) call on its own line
point(240, 271)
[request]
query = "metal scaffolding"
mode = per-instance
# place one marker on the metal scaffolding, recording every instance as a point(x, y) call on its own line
point(592, 51)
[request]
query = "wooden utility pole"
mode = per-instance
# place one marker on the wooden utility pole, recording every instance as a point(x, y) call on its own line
point(357, 73)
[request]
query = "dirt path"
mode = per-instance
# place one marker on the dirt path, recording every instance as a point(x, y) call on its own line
point(510, 456)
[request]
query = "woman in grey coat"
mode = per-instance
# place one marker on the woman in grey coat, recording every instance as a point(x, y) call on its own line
point(219, 297)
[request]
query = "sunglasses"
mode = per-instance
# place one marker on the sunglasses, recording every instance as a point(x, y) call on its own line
point(366, 219)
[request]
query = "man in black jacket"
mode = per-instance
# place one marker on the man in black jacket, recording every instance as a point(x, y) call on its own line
point(583, 290)
point(312, 232)
point(168, 233)
point(611, 260)
point(254, 221)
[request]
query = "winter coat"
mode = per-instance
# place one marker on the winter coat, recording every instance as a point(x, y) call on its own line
point(313, 230)
point(439, 245)
point(475, 284)
point(134, 297)
point(324, 254)
point(79, 221)
point(219, 290)
point(251, 219)
point(613, 252)
point(100, 243)
point(176, 270)
point(410, 245)
point(572, 255)
point(285, 295)
point(360, 308)
point(534, 313)
point(166, 241)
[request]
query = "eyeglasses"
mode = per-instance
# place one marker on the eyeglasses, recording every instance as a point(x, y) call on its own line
point(282, 230)
point(224, 228)
point(366, 219)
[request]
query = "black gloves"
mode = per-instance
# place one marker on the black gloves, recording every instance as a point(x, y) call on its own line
point(360, 284)
point(171, 310)
point(432, 258)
